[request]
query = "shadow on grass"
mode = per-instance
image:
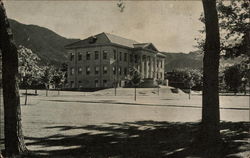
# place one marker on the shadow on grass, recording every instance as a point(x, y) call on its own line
point(142, 139)
point(141, 104)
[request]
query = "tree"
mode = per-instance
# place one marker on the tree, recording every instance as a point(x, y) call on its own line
point(58, 79)
point(186, 79)
point(28, 68)
point(46, 77)
point(14, 140)
point(209, 133)
point(236, 77)
point(134, 78)
point(234, 28)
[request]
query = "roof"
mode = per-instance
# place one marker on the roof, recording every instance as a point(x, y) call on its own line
point(106, 38)
point(120, 40)
point(103, 38)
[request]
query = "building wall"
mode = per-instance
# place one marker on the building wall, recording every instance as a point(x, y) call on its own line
point(117, 66)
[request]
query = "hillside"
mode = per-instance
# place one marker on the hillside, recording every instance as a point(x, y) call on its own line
point(192, 60)
point(48, 45)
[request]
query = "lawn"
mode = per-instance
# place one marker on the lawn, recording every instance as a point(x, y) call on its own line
point(99, 124)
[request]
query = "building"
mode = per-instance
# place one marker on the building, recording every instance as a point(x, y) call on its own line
point(98, 61)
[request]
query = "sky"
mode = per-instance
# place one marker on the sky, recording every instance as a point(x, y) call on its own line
point(171, 26)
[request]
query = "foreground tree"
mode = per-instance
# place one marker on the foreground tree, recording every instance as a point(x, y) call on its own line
point(14, 140)
point(209, 134)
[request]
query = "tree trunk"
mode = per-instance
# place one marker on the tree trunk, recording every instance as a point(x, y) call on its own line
point(26, 95)
point(209, 131)
point(135, 93)
point(14, 140)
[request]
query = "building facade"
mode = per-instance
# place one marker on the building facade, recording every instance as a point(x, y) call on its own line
point(100, 60)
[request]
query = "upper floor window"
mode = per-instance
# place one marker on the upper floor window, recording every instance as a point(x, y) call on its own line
point(88, 56)
point(136, 58)
point(157, 64)
point(96, 55)
point(71, 56)
point(114, 70)
point(131, 57)
point(120, 71)
point(87, 70)
point(120, 56)
point(79, 56)
point(79, 70)
point(125, 71)
point(114, 53)
point(96, 70)
point(105, 54)
point(125, 56)
point(72, 71)
point(105, 69)
point(161, 64)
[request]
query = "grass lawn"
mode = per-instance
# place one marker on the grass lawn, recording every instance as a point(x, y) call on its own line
point(101, 125)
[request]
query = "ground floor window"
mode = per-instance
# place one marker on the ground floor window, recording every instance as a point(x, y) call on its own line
point(96, 83)
point(71, 84)
point(105, 83)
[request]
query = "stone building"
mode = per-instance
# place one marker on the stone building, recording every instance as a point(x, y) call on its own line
point(98, 61)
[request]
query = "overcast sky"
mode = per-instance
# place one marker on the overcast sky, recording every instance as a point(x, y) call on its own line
point(170, 25)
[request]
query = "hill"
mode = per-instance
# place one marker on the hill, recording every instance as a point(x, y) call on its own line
point(48, 45)
point(192, 60)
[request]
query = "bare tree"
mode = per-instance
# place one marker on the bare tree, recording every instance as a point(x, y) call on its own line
point(14, 140)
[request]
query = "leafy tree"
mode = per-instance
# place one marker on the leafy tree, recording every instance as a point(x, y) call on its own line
point(134, 78)
point(188, 77)
point(46, 77)
point(28, 68)
point(236, 77)
point(13, 135)
point(58, 79)
point(234, 28)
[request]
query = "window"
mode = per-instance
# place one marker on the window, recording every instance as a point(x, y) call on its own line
point(114, 70)
point(161, 75)
point(131, 58)
point(120, 56)
point(96, 55)
point(80, 82)
point(161, 63)
point(114, 51)
point(157, 64)
point(105, 54)
point(96, 83)
point(96, 70)
point(105, 69)
point(79, 56)
point(125, 56)
point(79, 70)
point(105, 83)
point(120, 71)
point(71, 56)
point(88, 56)
point(72, 71)
point(125, 71)
point(136, 58)
point(87, 70)
point(72, 84)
